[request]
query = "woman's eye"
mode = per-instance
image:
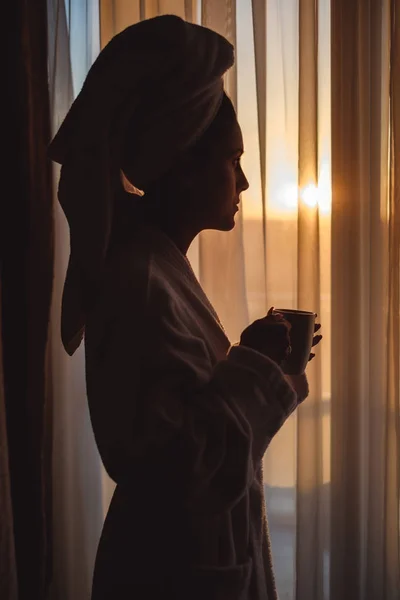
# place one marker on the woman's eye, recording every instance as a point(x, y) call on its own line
point(236, 163)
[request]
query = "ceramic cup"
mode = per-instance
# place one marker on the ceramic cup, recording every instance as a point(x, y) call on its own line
point(301, 338)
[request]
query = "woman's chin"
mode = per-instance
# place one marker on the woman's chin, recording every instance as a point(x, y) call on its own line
point(227, 225)
point(224, 223)
point(228, 221)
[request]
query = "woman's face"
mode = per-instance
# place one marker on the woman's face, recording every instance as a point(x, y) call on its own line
point(203, 191)
point(217, 180)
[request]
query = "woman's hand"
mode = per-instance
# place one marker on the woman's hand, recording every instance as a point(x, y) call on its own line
point(300, 382)
point(269, 336)
point(316, 340)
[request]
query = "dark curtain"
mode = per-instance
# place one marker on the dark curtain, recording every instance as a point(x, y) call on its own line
point(26, 267)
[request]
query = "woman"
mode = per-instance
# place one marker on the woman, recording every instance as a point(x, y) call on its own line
point(181, 418)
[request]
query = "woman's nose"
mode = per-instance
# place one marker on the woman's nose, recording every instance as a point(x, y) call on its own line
point(242, 183)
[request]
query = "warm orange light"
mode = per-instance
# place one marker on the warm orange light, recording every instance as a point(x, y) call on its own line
point(312, 196)
point(309, 195)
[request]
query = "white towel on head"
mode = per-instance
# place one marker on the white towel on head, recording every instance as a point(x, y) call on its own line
point(163, 77)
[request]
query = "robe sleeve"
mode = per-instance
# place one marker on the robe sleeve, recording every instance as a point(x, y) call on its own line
point(156, 397)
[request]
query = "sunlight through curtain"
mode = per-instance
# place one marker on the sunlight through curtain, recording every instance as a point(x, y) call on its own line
point(365, 558)
point(283, 55)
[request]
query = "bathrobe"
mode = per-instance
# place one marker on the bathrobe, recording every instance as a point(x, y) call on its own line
point(182, 419)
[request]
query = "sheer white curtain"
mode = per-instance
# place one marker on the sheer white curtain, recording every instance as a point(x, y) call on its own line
point(284, 108)
point(343, 443)
point(77, 475)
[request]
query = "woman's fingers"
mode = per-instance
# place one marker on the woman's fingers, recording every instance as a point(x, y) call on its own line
point(273, 313)
point(276, 318)
point(317, 327)
point(317, 339)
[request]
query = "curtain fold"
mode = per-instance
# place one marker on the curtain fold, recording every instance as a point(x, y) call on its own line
point(26, 269)
point(309, 467)
point(8, 567)
point(259, 20)
point(392, 449)
point(365, 336)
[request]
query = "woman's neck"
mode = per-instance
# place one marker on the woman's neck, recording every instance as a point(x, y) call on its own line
point(180, 233)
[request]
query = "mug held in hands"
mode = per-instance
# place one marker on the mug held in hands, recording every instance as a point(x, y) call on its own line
point(301, 339)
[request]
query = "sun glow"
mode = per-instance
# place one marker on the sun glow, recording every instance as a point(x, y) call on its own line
point(283, 199)
point(318, 196)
